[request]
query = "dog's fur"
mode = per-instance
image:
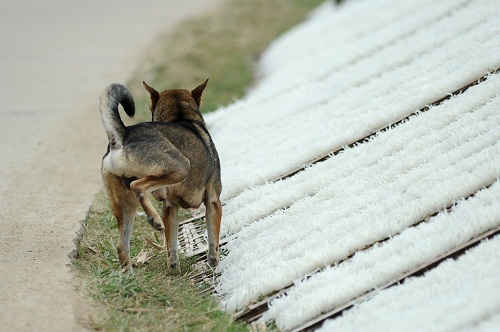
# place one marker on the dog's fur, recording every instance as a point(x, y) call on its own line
point(173, 157)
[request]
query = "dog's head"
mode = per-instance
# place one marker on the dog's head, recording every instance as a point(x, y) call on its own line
point(175, 105)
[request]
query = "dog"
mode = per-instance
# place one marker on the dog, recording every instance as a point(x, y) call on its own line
point(172, 157)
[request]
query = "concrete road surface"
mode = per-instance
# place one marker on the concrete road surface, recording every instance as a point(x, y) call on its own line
point(55, 58)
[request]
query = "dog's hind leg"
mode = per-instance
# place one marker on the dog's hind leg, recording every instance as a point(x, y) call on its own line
point(124, 206)
point(171, 222)
point(161, 195)
point(125, 231)
point(142, 187)
point(213, 216)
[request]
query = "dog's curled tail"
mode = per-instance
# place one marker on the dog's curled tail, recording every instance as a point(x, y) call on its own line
point(111, 97)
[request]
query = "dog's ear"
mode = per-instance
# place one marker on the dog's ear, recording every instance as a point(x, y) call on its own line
point(153, 96)
point(198, 92)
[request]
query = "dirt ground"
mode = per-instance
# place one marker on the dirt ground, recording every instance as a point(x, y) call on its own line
point(55, 58)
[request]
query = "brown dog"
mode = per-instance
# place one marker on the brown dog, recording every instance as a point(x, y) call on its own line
point(173, 157)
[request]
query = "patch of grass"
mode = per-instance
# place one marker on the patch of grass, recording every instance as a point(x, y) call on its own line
point(222, 46)
point(153, 298)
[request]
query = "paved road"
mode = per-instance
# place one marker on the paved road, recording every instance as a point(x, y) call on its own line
point(55, 58)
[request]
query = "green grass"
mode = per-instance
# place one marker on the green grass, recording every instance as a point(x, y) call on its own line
point(223, 46)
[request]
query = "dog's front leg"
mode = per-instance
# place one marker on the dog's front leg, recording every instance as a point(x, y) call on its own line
point(171, 223)
point(213, 216)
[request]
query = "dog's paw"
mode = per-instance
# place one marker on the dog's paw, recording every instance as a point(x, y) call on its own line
point(175, 266)
point(213, 260)
point(127, 270)
point(158, 225)
point(173, 260)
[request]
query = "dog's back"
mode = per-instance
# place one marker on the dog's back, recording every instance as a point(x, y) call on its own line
point(148, 144)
